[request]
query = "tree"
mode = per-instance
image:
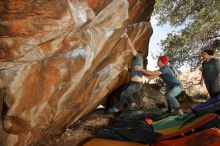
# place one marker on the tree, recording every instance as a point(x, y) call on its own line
point(201, 19)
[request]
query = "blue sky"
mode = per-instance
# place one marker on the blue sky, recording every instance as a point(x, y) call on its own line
point(159, 33)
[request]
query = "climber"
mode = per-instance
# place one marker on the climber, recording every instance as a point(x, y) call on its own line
point(174, 86)
point(137, 79)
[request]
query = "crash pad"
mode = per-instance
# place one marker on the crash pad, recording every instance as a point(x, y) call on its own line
point(210, 106)
point(108, 142)
point(208, 137)
point(128, 130)
point(171, 127)
point(141, 114)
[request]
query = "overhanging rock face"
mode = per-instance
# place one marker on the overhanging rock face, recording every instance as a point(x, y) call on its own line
point(59, 59)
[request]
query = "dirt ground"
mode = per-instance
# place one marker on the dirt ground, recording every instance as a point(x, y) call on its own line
point(82, 130)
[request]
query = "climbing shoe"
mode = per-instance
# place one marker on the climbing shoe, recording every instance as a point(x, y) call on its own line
point(113, 110)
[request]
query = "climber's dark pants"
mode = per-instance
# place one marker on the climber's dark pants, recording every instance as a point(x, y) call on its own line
point(126, 95)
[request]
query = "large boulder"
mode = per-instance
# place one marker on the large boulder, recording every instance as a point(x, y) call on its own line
point(59, 59)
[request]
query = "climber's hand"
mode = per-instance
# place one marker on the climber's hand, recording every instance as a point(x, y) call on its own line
point(125, 35)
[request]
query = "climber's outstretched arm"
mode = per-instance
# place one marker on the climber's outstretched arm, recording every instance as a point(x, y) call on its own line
point(131, 46)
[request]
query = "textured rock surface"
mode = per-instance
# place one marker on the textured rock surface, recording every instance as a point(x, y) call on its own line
point(60, 58)
point(190, 82)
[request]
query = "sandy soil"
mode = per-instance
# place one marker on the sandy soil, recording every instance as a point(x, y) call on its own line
point(82, 130)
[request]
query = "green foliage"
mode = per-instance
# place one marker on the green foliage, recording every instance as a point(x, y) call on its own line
point(202, 28)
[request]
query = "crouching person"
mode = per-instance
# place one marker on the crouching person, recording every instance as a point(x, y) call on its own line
point(174, 86)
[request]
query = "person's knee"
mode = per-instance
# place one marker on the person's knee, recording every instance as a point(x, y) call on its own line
point(171, 99)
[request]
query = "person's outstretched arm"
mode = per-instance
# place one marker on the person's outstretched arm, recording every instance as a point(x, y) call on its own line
point(131, 46)
point(155, 73)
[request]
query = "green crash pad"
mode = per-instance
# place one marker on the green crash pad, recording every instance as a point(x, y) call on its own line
point(172, 126)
